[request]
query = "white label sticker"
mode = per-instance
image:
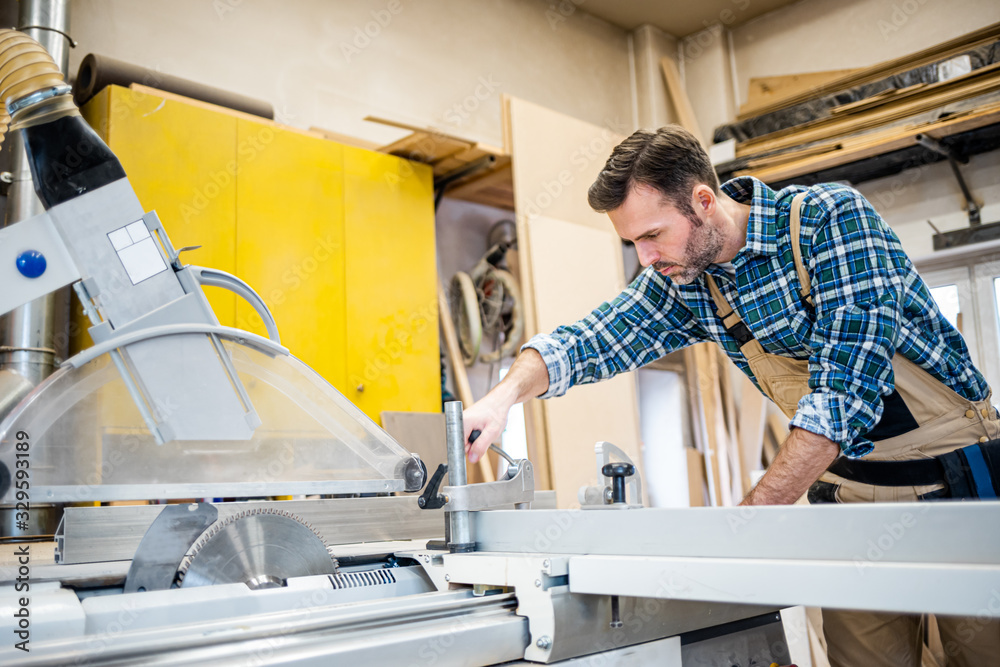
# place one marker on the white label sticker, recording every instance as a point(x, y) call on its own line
point(137, 251)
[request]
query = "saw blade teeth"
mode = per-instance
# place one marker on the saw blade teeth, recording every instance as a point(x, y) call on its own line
point(223, 523)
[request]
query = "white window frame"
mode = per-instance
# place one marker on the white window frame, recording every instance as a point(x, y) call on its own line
point(973, 269)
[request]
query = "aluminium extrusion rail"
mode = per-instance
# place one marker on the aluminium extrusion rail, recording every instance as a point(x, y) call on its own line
point(905, 557)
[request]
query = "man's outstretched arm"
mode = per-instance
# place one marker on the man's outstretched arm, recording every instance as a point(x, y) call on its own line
point(640, 325)
point(527, 378)
point(801, 460)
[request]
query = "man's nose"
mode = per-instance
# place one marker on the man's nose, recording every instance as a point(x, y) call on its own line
point(647, 254)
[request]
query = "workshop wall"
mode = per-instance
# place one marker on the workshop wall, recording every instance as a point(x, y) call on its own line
point(329, 64)
point(819, 35)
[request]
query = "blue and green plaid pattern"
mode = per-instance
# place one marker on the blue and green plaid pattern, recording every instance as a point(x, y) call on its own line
point(869, 302)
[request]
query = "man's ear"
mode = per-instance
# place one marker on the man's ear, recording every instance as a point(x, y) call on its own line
point(703, 199)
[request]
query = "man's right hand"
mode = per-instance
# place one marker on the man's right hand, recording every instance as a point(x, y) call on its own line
point(526, 379)
point(489, 417)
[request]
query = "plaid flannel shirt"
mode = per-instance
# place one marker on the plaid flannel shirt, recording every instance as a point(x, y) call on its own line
point(869, 303)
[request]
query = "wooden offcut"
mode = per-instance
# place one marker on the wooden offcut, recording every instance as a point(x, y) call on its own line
point(447, 153)
point(686, 117)
point(753, 414)
point(767, 91)
point(696, 477)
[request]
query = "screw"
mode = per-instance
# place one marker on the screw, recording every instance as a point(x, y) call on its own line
point(546, 564)
point(538, 583)
point(544, 642)
point(616, 621)
point(447, 577)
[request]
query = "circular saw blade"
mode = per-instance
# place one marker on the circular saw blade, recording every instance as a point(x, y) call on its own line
point(259, 547)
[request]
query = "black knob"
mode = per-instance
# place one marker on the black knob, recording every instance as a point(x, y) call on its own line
point(618, 472)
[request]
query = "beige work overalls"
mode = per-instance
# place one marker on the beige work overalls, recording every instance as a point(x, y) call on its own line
point(946, 421)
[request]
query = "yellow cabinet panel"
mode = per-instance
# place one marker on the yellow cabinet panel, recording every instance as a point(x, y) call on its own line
point(290, 241)
point(338, 241)
point(392, 342)
point(181, 161)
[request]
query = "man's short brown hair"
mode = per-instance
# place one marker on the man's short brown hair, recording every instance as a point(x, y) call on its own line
point(669, 160)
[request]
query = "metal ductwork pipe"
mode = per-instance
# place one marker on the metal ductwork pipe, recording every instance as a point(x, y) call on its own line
point(28, 334)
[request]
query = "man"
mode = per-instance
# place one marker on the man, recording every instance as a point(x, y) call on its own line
point(811, 295)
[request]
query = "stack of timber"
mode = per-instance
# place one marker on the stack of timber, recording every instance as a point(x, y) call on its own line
point(825, 85)
point(878, 135)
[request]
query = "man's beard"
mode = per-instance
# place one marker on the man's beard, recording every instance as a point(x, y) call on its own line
point(703, 247)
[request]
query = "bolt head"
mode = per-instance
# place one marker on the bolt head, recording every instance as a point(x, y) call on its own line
point(447, 577)
point(544, 642)
point(546, 563)
point(538, 583)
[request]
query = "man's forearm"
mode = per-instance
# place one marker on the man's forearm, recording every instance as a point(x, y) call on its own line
point(801, 460)
point(527, 378)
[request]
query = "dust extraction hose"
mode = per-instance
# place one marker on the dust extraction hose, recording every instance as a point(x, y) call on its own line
point(66, 157)
point(27, 69)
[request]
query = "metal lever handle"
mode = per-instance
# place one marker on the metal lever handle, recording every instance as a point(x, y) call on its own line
point(475, 436)
point(217, 278)
point(430, 499)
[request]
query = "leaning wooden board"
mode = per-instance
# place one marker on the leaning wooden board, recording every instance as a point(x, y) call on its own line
point(565, 291)
point(570, 262)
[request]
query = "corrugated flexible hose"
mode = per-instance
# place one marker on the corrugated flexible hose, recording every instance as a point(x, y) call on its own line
point(27, 68)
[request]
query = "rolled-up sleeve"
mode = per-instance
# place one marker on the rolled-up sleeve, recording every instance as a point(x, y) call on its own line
point(857, 319)
point(640, 325)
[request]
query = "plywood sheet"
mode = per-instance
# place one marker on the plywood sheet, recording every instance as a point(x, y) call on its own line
point(564, 292)
point(555, 158)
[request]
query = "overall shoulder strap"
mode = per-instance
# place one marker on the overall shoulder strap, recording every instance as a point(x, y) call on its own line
point(722, 307)
point(800, 268)
point(731, 320)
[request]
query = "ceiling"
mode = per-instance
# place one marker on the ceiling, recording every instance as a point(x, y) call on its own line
point(680, 18)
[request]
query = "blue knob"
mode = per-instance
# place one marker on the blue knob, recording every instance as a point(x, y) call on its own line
point(31, 263)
